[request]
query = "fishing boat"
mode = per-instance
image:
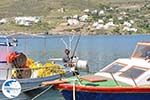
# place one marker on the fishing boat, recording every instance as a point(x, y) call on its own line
point(17, 65)
point(123, 79)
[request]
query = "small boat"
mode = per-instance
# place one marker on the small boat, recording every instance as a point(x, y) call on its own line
point(123, 79)
point(29, 73)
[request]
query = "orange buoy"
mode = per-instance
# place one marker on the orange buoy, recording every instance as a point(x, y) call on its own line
point(18, 59)
point(11, 57)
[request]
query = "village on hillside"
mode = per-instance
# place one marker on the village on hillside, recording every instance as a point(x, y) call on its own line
point(105, 19)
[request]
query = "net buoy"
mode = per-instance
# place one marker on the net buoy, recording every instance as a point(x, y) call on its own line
point(11, 57)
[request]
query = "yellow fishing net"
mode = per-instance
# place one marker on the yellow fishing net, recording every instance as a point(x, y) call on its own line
point(39, 70)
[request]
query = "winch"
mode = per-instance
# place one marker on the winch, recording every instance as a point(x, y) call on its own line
point(18, 60)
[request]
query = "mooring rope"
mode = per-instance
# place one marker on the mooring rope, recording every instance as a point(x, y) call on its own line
point(42, 92)
point(74, 91)
point(29, 89)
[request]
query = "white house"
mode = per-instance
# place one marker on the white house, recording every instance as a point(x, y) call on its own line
point(111, 20)
point(94, 12)
point(100, 21)
point(128, 29)
point(101, 12)
point(75, 17)
point(123, 13)
point(110, 24)
point(127, 24)
point(86, 11)
point(3, 21)
point(95, 24)
point(100, 26)
point(84, 18)
point(72, 22)
point(27, 21)
point(131, 21)
point(133, 29)
point(120, 18)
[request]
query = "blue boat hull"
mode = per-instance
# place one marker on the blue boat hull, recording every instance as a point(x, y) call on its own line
point(68, 95)
point(34, 83)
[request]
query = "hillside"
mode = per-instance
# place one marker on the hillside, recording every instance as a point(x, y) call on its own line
point(9, 8)
point(48, 9)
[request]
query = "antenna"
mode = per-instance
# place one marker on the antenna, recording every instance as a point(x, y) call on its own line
point(70, 41)
point(64, 42)
point(68, 45)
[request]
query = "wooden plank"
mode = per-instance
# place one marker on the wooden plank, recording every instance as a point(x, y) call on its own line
point(93, 78)
point(54, 82)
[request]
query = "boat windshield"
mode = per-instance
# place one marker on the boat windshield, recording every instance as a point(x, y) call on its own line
point(133, 72)
point(142, 51)
point(116, 67)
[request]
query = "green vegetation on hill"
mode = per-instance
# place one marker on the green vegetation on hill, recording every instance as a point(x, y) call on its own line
point(137, 10)
point(10, 8)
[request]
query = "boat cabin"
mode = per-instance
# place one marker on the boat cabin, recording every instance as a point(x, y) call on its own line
point(134, 71)
point(7, 45)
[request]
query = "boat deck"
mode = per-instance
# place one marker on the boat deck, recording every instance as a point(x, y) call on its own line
point(98, 82)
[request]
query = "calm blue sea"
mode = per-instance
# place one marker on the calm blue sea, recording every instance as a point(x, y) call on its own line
point(97, 50)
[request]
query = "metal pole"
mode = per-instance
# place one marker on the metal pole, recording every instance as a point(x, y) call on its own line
point(7, 73)
point(133, 80)
point(76, 46)
point(114, 79)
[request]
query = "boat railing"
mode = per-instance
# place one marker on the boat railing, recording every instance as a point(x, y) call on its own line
point(25, 73)
point(117, 83)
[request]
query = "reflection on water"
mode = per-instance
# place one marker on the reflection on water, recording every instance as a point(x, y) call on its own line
point(98, 50)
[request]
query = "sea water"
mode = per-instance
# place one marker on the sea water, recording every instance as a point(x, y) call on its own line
point(97, 50)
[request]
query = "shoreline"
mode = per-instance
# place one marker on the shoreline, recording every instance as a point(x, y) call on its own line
point(50, 33)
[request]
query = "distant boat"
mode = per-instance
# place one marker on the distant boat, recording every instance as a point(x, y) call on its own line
point(30, 74)
point(123, 79)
